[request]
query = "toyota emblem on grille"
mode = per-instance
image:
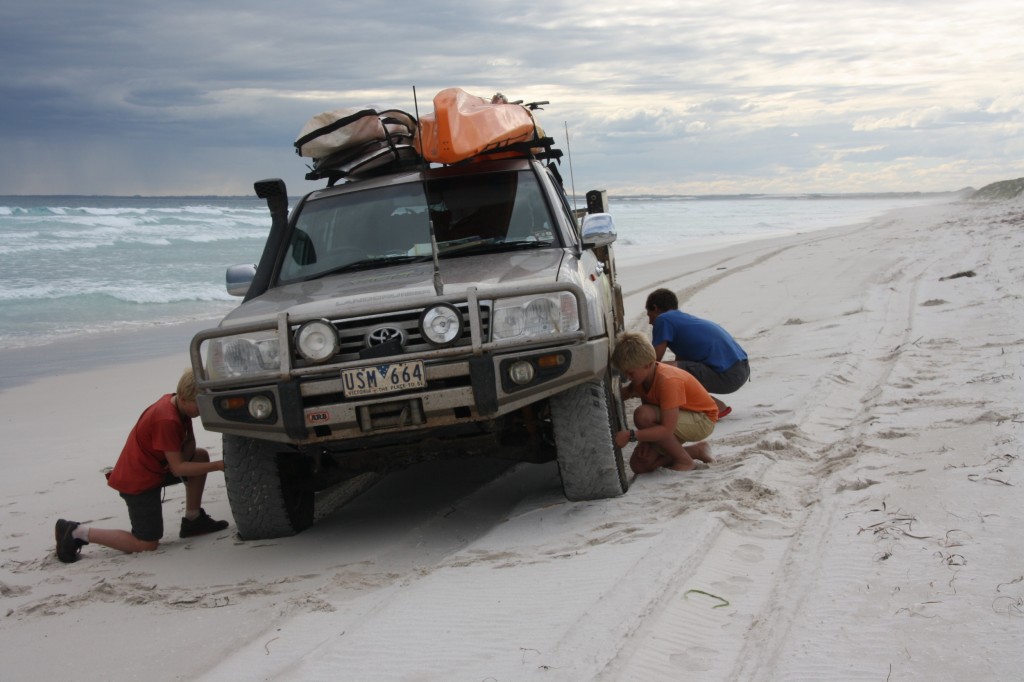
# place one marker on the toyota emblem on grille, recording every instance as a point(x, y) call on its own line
point(382, 335)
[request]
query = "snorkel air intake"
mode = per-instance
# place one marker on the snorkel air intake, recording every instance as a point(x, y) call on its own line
point(276, 195)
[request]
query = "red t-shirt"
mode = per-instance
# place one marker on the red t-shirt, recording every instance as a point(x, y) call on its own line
point(143, 462)
point(674, 387)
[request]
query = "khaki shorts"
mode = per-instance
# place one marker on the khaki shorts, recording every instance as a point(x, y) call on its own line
point(691, 427)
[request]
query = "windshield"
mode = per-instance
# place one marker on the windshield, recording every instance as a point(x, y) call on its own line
point(487, 211)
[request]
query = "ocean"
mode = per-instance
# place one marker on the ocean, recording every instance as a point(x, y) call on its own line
point(72, 267)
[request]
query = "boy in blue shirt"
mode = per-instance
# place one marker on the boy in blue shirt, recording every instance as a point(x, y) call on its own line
point(701, 347)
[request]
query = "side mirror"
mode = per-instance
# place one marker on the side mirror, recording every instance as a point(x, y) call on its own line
point(239, 277)
point(598, 230)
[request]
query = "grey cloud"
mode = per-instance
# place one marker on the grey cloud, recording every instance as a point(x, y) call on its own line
point(175, 96)
point(725, 91)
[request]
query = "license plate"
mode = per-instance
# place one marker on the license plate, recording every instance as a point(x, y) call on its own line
point(375, 379)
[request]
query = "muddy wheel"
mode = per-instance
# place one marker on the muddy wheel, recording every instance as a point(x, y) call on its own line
point(585, 418)
point(270, 492)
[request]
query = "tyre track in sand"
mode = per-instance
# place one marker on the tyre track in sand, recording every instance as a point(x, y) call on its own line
point(726, 618)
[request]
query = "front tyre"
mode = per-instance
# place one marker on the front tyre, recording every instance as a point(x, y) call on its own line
point(585, 419)
point(271, 493)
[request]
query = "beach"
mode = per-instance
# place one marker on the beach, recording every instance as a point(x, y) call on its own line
point(861, 522)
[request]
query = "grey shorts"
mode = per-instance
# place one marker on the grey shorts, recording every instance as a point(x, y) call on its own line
point(145, 512)
point(714, 381)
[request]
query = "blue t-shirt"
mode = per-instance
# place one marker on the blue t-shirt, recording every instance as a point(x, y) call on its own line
point(697, 340)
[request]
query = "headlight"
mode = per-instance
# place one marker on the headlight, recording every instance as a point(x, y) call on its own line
point(232, 357)
point(441, 325)
point(317, 340)
point(554, 313)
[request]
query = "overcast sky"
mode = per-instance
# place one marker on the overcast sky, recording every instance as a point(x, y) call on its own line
point(675, 96)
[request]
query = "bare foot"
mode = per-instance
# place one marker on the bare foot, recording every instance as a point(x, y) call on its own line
point(700, 451)
point(683, 466)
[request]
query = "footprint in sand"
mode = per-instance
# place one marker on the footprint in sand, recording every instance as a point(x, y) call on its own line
point(749, 553)
point(696, 659)
point(13, 590)
point(733, 585)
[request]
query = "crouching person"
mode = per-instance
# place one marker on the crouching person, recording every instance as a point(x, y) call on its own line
point(160, 451)
point(675, 409)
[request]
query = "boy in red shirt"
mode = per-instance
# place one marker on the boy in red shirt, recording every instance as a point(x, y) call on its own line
point(676, 409)
point(160, 451)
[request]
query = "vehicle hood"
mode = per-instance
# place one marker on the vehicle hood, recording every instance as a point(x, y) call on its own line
point(330, 295)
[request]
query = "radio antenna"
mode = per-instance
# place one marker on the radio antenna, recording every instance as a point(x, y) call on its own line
point(572, 179)
point(438, 282)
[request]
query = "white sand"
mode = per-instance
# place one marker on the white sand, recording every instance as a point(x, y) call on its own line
point(863, 520)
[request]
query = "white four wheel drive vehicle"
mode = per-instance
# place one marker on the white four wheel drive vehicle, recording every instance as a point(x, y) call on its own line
point(416, 310)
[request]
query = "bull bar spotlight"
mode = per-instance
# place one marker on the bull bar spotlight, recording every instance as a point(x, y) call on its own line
point(317, 340)
point(441, 324)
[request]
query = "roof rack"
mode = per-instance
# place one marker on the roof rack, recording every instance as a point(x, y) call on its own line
point(378, 157)
point(538, 148)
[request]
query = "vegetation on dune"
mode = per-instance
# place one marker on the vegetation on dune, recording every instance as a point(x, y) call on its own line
point(1000, 191)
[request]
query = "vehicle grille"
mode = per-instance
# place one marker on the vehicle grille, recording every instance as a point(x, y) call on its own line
point(353, 332)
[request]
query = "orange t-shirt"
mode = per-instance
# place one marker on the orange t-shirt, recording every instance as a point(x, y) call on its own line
point(674, 387)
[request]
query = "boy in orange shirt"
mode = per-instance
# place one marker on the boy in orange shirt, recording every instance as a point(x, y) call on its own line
point(676, 409)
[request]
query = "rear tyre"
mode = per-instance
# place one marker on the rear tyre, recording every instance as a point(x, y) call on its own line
point(585, 419)
point(271, 493)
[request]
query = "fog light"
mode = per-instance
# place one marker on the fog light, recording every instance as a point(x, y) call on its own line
point(261, 407)
point(521, 372)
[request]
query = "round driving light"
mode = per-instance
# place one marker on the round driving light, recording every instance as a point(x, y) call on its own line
point(441, 325)
point(317, 340)
point(261, 407)
point(521, 372)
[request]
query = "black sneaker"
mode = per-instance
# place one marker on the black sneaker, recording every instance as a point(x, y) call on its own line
point(201, 525)
point(68, 546)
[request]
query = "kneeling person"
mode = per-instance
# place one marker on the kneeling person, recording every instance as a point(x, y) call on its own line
point(675, 409)
point(702, 347)
point(160, 451)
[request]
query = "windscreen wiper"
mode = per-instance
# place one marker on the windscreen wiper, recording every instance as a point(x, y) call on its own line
point(496, 247)
point(369, 264)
